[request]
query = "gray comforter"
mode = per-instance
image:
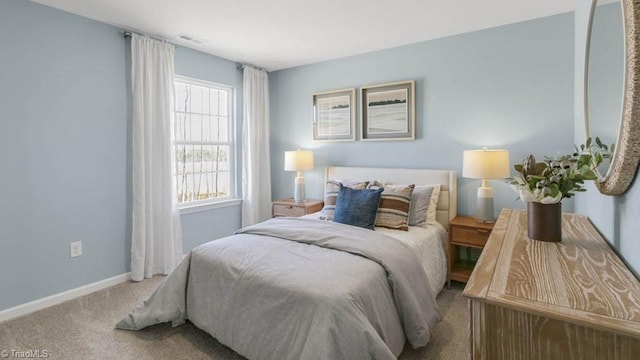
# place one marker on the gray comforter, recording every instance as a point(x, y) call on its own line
point(299, 289)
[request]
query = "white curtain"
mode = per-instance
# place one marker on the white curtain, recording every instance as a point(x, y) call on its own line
point(156, 241)
point(256, 167)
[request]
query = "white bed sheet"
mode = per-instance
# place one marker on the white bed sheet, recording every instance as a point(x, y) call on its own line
point(427, 243)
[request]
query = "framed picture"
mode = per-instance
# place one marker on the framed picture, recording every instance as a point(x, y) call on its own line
point(334, 115)
point(388, 111)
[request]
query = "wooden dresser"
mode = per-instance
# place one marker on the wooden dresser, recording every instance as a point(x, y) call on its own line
point(573, 300)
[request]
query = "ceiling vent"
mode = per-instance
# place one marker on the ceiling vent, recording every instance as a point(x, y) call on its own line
point(191, 39)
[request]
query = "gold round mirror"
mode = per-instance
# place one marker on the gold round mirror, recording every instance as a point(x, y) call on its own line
point(612, 89)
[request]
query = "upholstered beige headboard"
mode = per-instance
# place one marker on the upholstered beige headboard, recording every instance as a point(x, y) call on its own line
point(447, 202)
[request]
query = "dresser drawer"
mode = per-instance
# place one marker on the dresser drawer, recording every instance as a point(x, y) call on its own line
point(288, 210)
point(467, 236)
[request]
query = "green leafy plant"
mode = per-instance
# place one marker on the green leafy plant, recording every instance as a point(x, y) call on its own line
point(552, 180)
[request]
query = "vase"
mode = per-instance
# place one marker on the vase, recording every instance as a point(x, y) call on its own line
point(544, 221)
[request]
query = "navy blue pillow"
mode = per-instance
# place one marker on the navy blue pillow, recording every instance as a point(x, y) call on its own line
point(357, 207)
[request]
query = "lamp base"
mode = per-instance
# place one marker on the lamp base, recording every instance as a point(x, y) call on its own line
point(484, 210)
point(298, 192)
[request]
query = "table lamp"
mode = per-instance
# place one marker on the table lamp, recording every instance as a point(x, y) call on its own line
point(485, 164)
point(298, 161)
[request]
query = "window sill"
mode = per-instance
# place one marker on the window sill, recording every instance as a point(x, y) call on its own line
point(208, 206)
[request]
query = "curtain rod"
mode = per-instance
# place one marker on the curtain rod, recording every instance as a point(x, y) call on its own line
point(241, 66)
point(129, 34)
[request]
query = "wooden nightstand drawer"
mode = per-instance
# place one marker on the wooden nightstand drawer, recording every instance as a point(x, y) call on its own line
point(288, 210)
point(466, 236)
point(465, 233)
point(288, 207)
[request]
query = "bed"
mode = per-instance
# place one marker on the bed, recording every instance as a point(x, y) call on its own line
point(304, 288)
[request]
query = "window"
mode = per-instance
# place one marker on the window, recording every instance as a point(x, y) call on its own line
point(203, 142)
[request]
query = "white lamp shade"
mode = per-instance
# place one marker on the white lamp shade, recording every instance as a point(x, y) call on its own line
point(298, 160)
point(485, 164)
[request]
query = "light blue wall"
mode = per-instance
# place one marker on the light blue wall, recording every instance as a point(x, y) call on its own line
point(65, 151)
point(507, 87)
point(616, 217)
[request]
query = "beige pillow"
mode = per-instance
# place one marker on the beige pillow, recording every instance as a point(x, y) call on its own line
point(433, 205)
point(331, 188)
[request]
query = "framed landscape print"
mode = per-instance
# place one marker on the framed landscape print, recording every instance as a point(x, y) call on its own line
point(388, 111)
point(334, 115)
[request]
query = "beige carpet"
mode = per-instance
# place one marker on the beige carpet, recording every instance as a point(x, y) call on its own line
point(83, 329)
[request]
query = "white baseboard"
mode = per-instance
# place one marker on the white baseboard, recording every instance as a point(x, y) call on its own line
point(55, 299)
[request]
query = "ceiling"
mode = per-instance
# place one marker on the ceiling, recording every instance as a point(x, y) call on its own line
point(278, 34)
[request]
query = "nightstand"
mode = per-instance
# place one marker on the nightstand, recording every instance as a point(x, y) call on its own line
point(465, 232)
point(288, 207)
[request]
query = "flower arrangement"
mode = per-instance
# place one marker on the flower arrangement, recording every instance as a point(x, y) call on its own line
point(551, 181)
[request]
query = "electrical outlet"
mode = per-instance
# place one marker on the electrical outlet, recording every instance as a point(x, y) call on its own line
point(75, 248)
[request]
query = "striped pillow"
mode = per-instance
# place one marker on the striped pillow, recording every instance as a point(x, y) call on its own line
point(395, 203)
point(424, 201)
point(331, 188)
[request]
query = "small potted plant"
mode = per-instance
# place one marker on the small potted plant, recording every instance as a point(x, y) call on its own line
point(543, 185)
